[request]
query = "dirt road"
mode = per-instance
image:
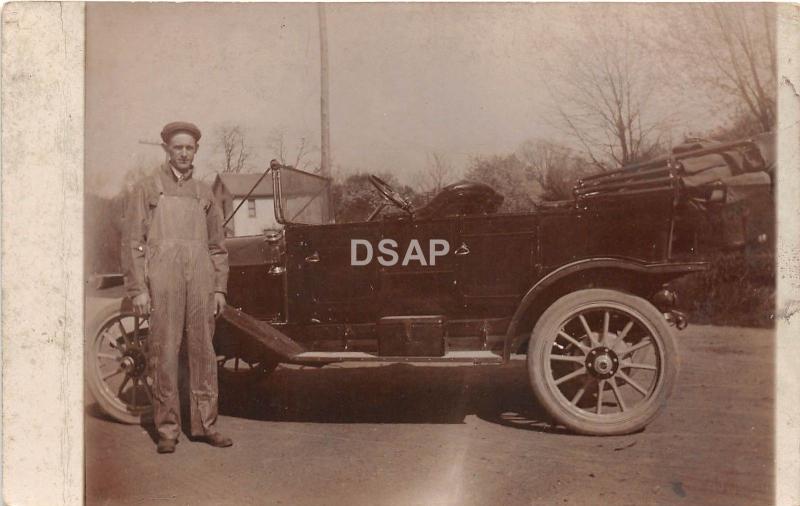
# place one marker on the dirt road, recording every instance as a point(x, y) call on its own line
point(424, 435)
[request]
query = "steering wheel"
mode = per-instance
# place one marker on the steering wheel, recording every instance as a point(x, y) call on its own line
point(388, 193)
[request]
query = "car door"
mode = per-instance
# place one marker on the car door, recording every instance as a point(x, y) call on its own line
point(256, 281)
point(324, 286)
point(420, 279)
point(496, 257)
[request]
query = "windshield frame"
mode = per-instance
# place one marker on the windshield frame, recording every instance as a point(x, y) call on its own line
point(277, 192)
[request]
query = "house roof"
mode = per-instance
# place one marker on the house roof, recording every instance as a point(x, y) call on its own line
point(239, 184)
point(293, 181)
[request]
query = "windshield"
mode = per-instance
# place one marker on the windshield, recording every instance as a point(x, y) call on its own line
point(305, 197)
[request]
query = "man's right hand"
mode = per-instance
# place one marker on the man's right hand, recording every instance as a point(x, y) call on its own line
point(141, 303)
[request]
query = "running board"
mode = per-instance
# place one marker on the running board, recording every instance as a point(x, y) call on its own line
point(468, 357)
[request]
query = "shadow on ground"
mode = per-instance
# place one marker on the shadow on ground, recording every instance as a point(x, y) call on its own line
point(397, 393)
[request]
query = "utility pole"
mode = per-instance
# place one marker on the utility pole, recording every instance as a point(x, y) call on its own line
point(325, 162)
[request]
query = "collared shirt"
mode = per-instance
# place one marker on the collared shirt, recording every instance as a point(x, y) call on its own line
point(139, 209)
point(184, 176)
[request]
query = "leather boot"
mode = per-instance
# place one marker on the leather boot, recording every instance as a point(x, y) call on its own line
point(215, 439)
point(166, 445)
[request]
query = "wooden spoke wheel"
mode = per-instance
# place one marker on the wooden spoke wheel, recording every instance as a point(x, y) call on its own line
point(117, 372)
point(116, 366)
point(237, 372)
point(602, 362)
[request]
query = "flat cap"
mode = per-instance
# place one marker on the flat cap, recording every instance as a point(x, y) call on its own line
point(171, 129)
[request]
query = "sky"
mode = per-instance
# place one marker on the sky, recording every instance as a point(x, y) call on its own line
point(406, 80)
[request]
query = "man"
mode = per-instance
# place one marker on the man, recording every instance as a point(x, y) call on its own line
point(177, 271)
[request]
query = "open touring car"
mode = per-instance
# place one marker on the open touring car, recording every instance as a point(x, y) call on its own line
point(580, 287)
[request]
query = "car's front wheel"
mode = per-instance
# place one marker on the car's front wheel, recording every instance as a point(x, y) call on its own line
point(116, 366)
point(602, 362)
point(117, 372)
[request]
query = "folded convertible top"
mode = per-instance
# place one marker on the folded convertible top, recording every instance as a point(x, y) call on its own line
point(701, 172)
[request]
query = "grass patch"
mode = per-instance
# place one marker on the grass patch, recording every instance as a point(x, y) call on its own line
point(738, 290)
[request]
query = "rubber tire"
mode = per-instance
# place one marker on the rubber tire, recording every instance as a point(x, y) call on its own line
point(542, 337)
point(94, 382)
point(112, 309)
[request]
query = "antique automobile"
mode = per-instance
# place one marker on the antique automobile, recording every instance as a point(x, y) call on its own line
point(581, 287)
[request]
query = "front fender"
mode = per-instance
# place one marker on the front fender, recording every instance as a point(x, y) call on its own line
point(258, 334)
point(98, 309)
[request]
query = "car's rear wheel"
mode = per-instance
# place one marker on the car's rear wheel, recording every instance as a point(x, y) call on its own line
point(236, 372)
point(241, 362)
point(602, 362)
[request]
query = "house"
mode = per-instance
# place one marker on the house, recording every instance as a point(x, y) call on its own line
point(306, 200)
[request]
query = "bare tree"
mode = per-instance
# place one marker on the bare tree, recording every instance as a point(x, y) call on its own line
point(301, 154)
point(603, 94)
point(509, 176)
point(730, 49)
point(278, 144)
point(234, 151)
point(556, 168)
point(438, 173)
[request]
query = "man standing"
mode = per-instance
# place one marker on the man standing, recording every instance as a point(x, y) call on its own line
point(177, 272)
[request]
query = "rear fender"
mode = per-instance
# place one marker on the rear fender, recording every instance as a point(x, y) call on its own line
point(658, 273)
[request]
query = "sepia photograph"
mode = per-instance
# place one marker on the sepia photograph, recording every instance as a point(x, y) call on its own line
point(430, 254)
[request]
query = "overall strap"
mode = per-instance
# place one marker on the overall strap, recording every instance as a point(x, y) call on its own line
point(156, 212)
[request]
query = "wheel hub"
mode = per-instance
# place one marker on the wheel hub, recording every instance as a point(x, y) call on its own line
point(602, 362)
point(134, 362)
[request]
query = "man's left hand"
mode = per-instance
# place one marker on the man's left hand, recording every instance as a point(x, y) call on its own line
point(219, 303)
